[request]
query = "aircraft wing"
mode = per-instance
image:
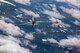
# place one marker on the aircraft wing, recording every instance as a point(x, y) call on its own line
point(42, 21)
point(7, 2)
point(28, 23)
point(37, 22)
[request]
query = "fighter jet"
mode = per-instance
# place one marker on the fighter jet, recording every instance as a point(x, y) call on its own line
point(7, 2)
point(30, 22)
point(33, 22)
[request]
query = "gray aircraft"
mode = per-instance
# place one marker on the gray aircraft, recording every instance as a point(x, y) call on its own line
point(33, 22)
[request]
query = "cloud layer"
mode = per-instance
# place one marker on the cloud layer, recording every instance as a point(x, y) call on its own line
point(10, 46)
point(9, 28)
point(24, 2)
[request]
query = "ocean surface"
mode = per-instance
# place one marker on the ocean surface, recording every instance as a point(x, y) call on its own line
point(57, 28)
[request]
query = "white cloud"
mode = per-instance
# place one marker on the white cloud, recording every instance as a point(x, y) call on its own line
point(76, 22)
point(11, 38)
point(66, 51)
point(33, 46)
point(25, 42)
point(25, 2)
point(19, 15)
point(51, 40)
point(41, 31)
point(38, 30)
point(28, 12)
point(53, 6)
point(74, 12)
point(54, 13)
point(29, 36)
point(10, 29)
point(9, 46)
point(70, 42)
point(6, 19)
point(74, 2)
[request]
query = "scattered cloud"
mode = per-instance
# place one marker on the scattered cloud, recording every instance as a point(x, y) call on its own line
point(76, 22)
point(71, 42)
point(30, 13)
point(19, 16)
point(53, 13)
point(41, 31)
point(6, 19)
point(51, 40)
point(73, 2)
point(38, 30)
point(74, 12)
point(7, 45)
point(33, 46)
point(29, 36)
point(11, 38)
point(66, 51)
point(10, 29)
point(24, 2)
